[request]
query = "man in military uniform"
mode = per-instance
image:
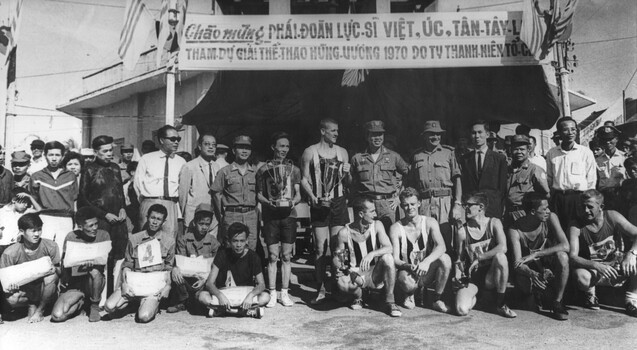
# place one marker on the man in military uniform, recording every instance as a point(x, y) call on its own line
point(127, 156)
point(435, 173)
point(234, 192)
point(374, 173)
point(610, 165)
point(524, 177)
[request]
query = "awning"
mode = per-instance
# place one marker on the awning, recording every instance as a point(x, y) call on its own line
point(259, 102)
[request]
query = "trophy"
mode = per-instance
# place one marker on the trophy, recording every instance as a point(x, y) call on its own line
point(279, 189)
point(331, 177)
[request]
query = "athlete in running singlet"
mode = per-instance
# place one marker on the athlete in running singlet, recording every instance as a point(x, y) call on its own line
point(419, 253)
point(602, 258)
point(540, 249)
point(326, 220)
point(363, 260)
point(482, 247)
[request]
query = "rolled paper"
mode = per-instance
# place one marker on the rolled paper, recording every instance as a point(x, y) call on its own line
point(194, 267)
point(144, 284)
point(78, 253)
point(27, 272)
point(235, 295)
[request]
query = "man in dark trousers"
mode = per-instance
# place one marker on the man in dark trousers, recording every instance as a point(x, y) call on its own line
point(485, 170)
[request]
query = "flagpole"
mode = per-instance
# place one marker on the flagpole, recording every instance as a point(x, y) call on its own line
point(561, 51)
point(170, 91)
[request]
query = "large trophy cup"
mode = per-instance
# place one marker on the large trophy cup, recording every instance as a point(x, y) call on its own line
point(279, 188)
point(331, 177)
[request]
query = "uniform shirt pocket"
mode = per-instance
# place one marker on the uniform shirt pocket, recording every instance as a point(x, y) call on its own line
point(363, 173)
point(233, 184)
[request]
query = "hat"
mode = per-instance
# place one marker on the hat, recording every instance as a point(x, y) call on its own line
point(87, 152)
point(37, 144)
point(20, 157)
point(492, 136)
point(375, 126)
point(204, 207)
point(520, 139)
point(432, 126)
point(128, 147)
point(607, 132)
point(222, 147)
point(242, 140)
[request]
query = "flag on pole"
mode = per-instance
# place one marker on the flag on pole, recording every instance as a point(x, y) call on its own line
point(170, 33)
point(138, 24)
point(562, 21)
point(533, 27)
point(9, 31)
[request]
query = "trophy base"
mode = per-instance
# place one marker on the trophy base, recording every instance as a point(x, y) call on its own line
point(283, 203)
point(324, 202)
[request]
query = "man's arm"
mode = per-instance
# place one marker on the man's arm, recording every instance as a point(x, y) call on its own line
point(386, 247)
point(340, 246)
point(394, 236)
point(439, 243)
point(550, 171)
point(34, 187)
point(259, 287)
point(540, 183)
point(212, 288)
point(217, 192)
point(502, 176)
point(629, 264)
point(185, 183)
point(82, 200)
point(140, 173)
point(573, 253)
point(501, 246)
point(591, 168)
point(347, 176)
point(306, 176)
point(559, 237)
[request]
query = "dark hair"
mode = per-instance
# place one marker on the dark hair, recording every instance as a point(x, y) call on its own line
point(163, 131)
point(100, 141)
point(406, 193)
point(326, 121)
point(533, 138)
point(629, 162)
point(54, 145)
point(83, 214)
point(29, 221)
point(522, 130)
point(564, 120)
point(158, 208)
point(532, 201)
point(279, 135)
point(202, 214)
point(593, 194)
point(132, 166)
point(481, 122)
point(20, 199)
point(204, 134)
point(72, 155)
point(236, 228)
point(185, 155)
point(480, 198)
point(359, 204)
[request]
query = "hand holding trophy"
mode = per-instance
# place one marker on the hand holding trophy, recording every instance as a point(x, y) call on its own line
point(333, 174)
point(279, 188)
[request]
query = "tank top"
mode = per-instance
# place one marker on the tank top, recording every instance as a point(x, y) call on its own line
point(481, 245)
point(414, 252)
point(317, 168)
point(358, 250)
point(606, 245)
point(539, 243)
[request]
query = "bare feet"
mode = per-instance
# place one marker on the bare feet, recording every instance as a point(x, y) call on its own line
point(35, 314)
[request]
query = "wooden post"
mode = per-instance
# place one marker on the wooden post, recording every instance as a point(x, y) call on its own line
point(279, 7)
point(561, 51)
point(383, 6)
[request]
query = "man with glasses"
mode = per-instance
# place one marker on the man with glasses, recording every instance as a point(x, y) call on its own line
point(157, 178)
point(38, 162)
point(196, 178)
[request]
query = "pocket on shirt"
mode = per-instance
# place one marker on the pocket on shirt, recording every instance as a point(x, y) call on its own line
point(577, 169)
point(363, 173)
point(233, 184)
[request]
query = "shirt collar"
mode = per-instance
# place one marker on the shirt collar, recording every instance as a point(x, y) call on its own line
point(484, 149)
point(382, 151)
point(235, 166)
point(163, 154)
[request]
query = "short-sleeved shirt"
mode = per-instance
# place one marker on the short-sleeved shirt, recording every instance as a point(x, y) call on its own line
point(236, 271)
point(527, 178)
point(571, 170)
point(167, 246)
point(79, 237)
point(188, 245)
point(377, 177)
point(435, 169)
point(236, 189)
point(16, 253)
point(267, 187)
point(610, 169)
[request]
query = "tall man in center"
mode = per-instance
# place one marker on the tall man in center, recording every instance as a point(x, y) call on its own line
point(374, 173)
point(327, 217)
point(436, 174)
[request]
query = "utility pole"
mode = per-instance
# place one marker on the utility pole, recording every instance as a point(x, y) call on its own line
point(563, 67)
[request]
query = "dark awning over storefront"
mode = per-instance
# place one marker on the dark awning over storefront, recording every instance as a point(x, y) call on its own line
point(261, 102)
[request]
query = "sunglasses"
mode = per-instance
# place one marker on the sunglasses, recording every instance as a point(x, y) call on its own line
point(173, 139)
point(469, 204)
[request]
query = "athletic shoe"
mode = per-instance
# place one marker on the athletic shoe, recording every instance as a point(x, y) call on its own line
point(176, 308)
point(357, 304)
point(215, 313)
point(409, 302)
point(320, 298)
point(256, 312)
point(285, 300)
point(440, 306)
point(559, 311)
point(94, 313)
point(504, 311)
point(631, 309)
point(591, 301)
point(272, 301)
point(393, 310)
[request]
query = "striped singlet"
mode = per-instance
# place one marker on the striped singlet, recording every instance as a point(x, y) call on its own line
point(317, 167)
point(414, 252)
point(358, 250)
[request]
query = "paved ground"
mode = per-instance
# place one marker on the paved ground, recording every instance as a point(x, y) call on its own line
point(332, 327)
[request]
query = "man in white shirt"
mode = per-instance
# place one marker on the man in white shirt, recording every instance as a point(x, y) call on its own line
point(533, 157)
point(570, 170)
point(157, 178)
point(610, 166)
point(38, 162)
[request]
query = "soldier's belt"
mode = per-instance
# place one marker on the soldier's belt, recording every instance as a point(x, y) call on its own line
point(379, 196)
point(239, 209)
point(435, 192)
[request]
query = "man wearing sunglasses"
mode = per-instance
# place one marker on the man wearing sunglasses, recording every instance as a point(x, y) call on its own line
point(38, 162)
point(157, 178)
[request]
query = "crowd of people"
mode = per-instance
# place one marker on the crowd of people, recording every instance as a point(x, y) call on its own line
point(441, 230)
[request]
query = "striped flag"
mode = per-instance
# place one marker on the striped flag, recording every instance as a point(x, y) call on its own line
point(533, 28)
point(169, 35)
point(138, 24)
point(9, 31)
point(562, 22)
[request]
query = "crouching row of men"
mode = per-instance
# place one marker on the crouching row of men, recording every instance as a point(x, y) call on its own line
point(413, 256)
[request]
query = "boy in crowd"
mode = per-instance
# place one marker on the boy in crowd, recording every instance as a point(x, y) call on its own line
point(234, 267)
point(196, 242)
point(419, 253)
point(540, 251)
point(85, 281)
point(21, 203)
point(41, 292)
point(142, 255)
